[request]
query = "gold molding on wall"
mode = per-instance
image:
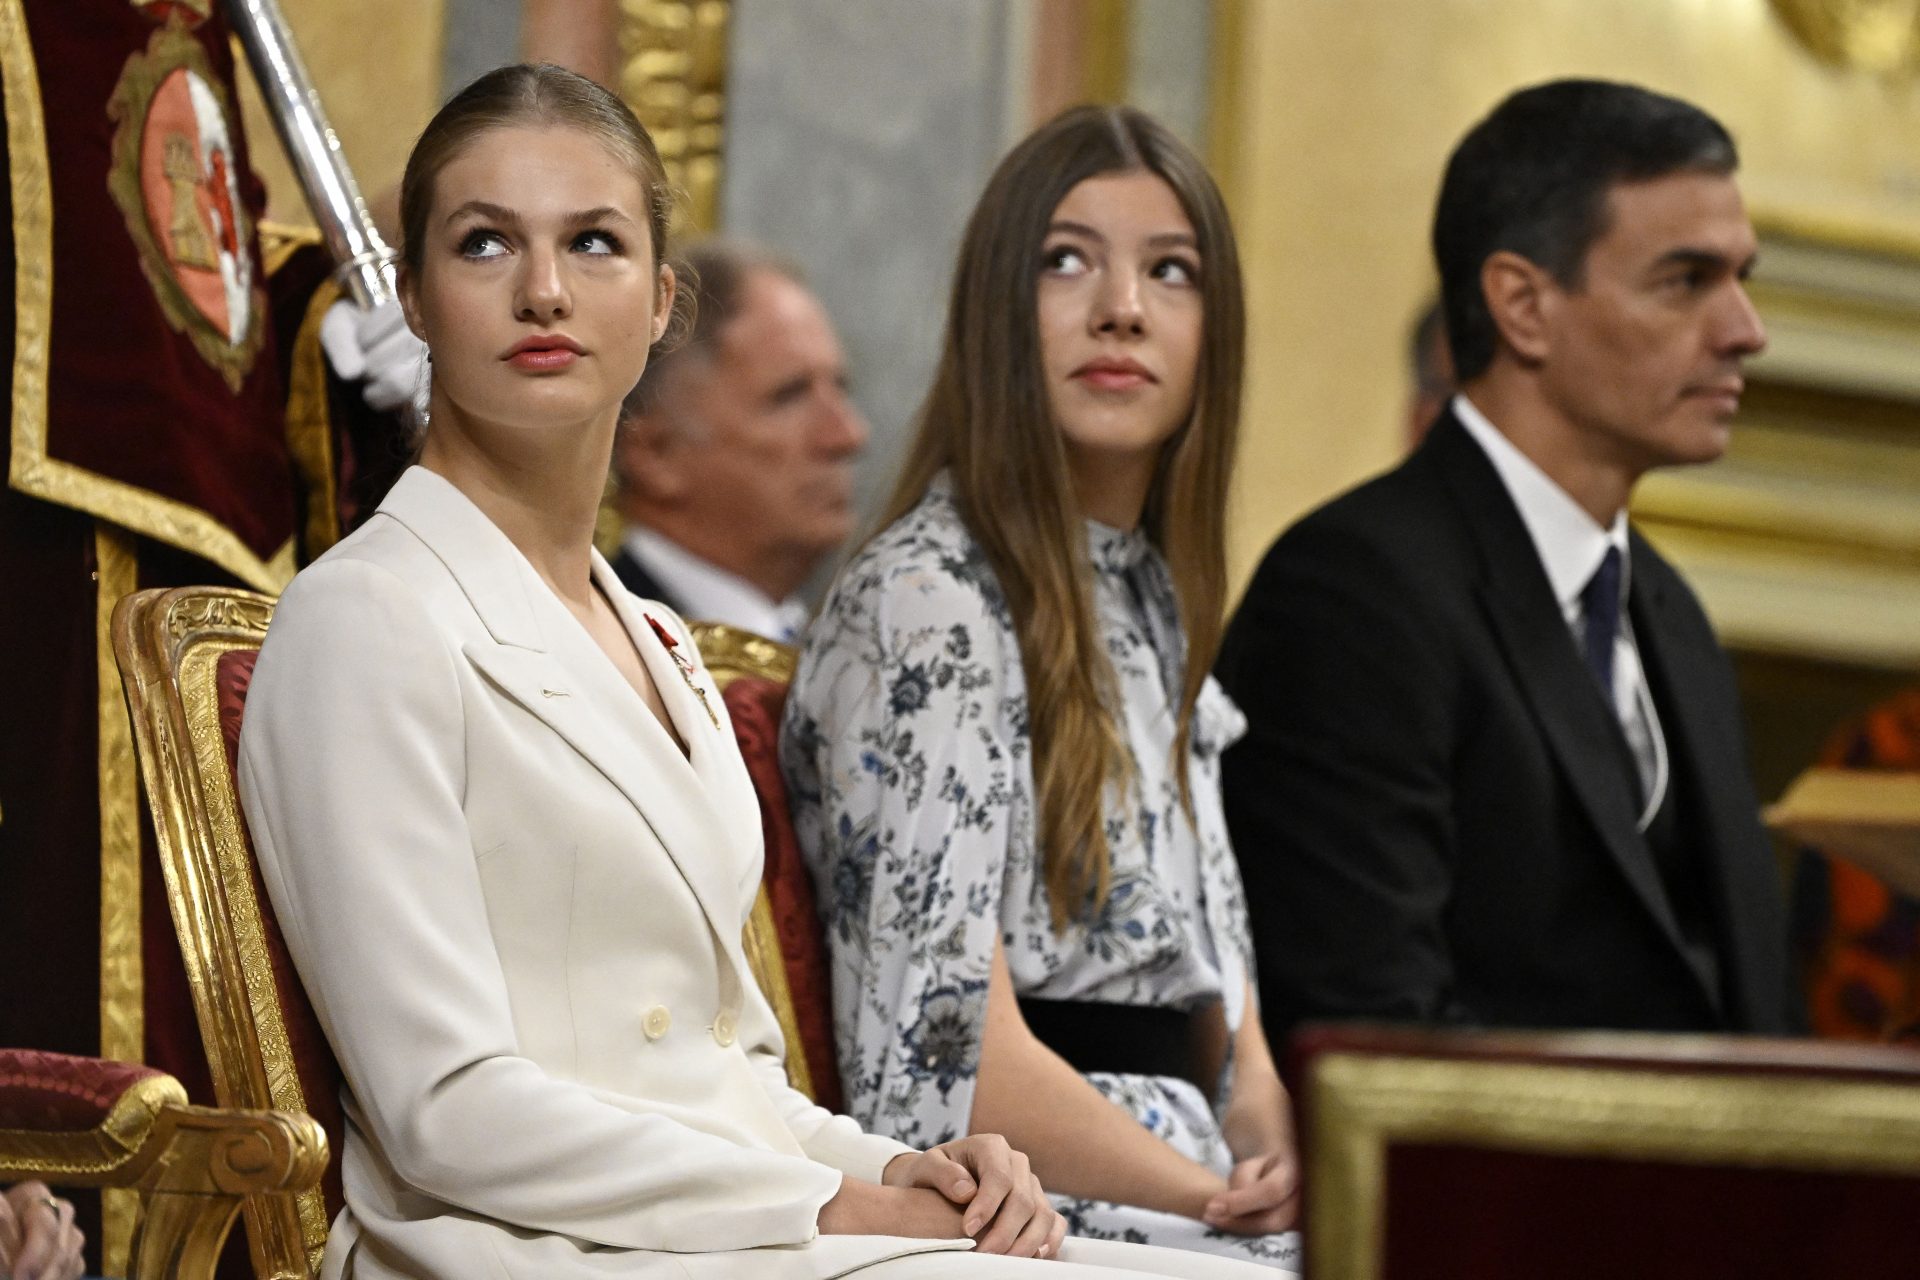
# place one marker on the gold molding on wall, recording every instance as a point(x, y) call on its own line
point(1834, 229)
point(1841, 299)
point(1881, 36)
point(673, 73)
point(1225, 87)
point(1109, 40)
point(1805, 539)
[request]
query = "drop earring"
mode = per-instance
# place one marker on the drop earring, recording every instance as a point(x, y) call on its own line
point(422, 396)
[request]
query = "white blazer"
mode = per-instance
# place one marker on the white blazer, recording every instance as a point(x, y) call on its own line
point(517, 908)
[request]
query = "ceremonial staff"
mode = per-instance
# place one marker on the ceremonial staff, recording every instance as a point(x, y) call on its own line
point(366, 263)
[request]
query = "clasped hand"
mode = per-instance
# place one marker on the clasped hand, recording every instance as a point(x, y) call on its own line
point(38, 1240)
point(976, 1186)
point(1262, 1196)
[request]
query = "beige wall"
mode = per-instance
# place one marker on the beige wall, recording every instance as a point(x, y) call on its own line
point(1339, 120)
point(376, 64)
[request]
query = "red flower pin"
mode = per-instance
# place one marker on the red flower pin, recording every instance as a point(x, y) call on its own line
point(683, 664)
point(666, 636)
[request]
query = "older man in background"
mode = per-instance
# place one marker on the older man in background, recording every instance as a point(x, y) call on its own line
point(736, 458)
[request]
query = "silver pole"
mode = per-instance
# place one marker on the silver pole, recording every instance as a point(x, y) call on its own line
point(366, 263)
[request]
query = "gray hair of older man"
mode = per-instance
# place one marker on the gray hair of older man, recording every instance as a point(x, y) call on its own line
point(715, 272)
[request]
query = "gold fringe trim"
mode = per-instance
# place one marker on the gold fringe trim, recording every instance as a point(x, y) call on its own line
point(281, 240)
point(310, 425)
point(123, 1030)
point(59, 1156)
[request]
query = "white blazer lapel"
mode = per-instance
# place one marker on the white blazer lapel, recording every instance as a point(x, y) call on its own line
point(693, 701)
point(648, 769)
point(580, 697)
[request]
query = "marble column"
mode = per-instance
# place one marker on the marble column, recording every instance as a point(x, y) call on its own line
point(859, 134)
point(480, 35)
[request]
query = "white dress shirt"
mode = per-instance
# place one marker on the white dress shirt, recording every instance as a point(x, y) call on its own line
point(1571, 546)
point(705, 592)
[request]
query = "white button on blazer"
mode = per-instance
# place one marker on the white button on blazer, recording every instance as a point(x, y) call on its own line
point(476, 876)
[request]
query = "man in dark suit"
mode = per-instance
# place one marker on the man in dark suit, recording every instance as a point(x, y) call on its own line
point(735, 459)
point(1495, 767)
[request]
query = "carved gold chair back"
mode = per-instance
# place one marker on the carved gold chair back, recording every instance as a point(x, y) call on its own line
point(730, 653)
point(169, 644)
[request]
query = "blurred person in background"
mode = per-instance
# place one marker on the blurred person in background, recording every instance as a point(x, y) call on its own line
point(736, 456)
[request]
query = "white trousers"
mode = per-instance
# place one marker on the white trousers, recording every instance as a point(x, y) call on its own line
point(1078, 1260)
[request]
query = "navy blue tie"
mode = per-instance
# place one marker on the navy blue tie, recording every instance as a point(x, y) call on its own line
point(1601, 602)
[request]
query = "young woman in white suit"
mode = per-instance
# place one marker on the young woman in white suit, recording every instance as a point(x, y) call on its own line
point(500, 814)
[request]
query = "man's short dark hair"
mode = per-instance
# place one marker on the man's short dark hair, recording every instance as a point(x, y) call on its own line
point(1431, 372)
point(1533, 178)
point(715, 271)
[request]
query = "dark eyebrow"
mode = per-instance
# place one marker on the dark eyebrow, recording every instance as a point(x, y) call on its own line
point(491, 212)
point(1075, 229)
point(790, 387)
point(1704, 260)
point(1164, 240)
point(507, 217)
point(601, 213)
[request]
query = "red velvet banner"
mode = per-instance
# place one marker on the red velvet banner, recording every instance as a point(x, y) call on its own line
point(142, 294)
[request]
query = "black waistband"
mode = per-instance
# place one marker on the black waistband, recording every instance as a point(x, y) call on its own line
point(1130, 1039)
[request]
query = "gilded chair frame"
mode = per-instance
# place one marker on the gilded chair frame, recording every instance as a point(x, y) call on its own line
point(190, 1165)
point(730, 653)
point(1362, 1103)
point(169, 644)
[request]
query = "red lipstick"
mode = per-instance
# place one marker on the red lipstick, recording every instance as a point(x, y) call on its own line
point(544, 353)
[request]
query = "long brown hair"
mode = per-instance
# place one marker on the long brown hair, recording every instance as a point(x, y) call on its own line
point(986, 421)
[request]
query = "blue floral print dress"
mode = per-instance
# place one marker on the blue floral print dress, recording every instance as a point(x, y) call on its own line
point(906, 752)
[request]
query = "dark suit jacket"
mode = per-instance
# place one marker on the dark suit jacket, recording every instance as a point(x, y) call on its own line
point(1434, 810)
point(634, 576)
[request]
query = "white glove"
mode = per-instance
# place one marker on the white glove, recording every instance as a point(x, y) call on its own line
point(376, 347)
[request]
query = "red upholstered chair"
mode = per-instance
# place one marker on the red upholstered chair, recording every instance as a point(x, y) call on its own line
point(186, 657)
point(784, 942)
point(1579, 1156)
point(84, 1122)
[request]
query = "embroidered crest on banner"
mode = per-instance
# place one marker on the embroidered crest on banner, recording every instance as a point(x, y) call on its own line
point(189, 13)
point(174, 176)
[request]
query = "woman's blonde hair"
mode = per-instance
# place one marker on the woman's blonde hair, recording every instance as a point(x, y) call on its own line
point(987, 422)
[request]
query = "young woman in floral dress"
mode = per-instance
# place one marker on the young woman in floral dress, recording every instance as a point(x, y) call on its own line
point(1003, 745)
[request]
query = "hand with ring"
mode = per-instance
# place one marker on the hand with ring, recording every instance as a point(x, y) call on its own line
point(1007, 1210)
point(38, 1240)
